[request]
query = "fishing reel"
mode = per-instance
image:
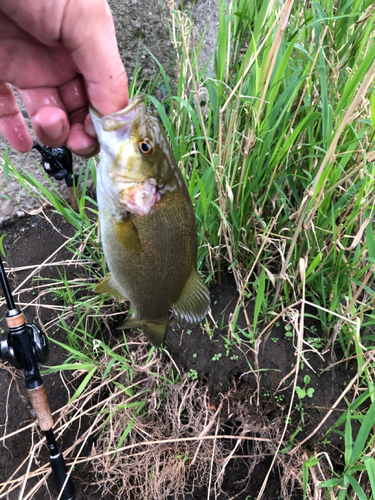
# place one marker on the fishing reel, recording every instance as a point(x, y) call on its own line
point(57, 162)
point(39, 342)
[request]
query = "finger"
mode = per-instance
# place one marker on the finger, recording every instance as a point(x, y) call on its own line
point(90, 36)
point(89, 127)
point(12, 123)
point(74, 97)
point(47, 114)
point(58, 116)
point(79, 141)
point(26, 62)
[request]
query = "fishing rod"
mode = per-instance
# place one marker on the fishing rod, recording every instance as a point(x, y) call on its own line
point(25, 347)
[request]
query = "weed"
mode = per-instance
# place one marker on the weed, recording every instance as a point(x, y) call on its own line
point(279, 398)
point(193, 374)
point(305, 391)
point(288, 331)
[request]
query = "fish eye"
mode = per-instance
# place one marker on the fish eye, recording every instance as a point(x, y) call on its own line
point(146, 147)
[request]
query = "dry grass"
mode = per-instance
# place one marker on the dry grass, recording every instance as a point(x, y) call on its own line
point(177, 444)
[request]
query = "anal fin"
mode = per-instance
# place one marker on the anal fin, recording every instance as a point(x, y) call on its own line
point(154, 330)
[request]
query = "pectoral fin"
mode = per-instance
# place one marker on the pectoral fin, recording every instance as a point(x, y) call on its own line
point(127, 235)
point(154, 331)
point(110, 286)
point(193, 303)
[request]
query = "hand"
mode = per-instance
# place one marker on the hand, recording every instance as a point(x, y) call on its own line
point(60, 55)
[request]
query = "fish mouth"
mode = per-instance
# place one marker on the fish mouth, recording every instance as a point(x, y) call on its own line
point(126, 183)
point(120, 118)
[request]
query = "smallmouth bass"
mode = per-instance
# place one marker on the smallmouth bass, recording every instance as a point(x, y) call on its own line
point(147, 223)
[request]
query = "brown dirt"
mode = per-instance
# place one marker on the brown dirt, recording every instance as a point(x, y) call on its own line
point(226, 372)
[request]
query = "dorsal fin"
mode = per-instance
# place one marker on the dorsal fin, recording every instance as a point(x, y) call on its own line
point(194, 302)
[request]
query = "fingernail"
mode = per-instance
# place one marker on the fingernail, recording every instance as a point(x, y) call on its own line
point(53, 130)
point(89, 151)
point(89, 127)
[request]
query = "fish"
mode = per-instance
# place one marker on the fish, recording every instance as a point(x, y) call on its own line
point(147, 223)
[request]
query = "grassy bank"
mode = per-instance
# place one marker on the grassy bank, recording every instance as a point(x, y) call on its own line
point(277, 149)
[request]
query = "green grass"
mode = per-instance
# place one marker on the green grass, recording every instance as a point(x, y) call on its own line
point(282, 133)
point(282, 137)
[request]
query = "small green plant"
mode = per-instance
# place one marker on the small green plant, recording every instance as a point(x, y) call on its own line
point(217, 356)
point(288, 331)
point(305, 391)
point(303, 414)
point(292, 440)
point(228, 344)
point(210, 330)
point(193, 374)
point(315, 342)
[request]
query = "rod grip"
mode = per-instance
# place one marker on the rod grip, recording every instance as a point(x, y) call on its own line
point(16, 320)
point(59, 469)
point(38, 398)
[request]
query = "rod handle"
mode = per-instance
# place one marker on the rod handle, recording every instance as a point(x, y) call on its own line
point(38, 398)
point(59, 470)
